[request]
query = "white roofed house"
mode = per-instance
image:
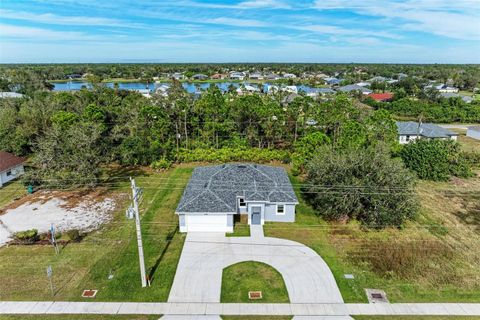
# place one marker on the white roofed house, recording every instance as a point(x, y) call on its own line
point(289, 76)
point(473, 132)
point(11, 167)
point(10, 95)
point(237, 75)
point(256, 76)
point(354, 88)
point(410, 131)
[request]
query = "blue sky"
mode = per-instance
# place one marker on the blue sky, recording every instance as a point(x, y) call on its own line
point(395, 31)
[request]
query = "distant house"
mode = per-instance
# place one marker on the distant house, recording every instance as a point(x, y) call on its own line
point(11, 167)
point(256, 76)
point(289, 76)
point(199, 76)
point(410, 131)
point(216, 194)
point(448, 95)
point(237, 75)
point(247, 89)
point(290, 98)
point(363, 84)
point(218, 76)
point(442, 88)
point(474, 132)
point(272, 76)
point(73, 76)
point(314, 92)
point(178, 76)
point(332, 81)
point(381, 97)
point(10, 95)
point(378, 79)
point(353, 87)
point(401, 76)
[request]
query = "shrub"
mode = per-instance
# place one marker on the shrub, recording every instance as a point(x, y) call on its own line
point(227, 154)
point(435, 159)
point(74, 235)
point(161, 164)
point(363, 184)
point(28, 236)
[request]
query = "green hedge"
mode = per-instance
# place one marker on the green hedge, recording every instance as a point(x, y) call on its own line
point(234, 154)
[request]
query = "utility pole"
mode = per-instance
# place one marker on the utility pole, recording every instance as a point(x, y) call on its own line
point(141, 259)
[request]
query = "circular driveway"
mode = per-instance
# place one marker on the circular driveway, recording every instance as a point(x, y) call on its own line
point(199, 273)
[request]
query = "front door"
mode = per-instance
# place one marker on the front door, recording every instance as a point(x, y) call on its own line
point(256, 215)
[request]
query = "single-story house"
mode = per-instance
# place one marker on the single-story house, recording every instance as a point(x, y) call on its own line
point(289, 76)
point(353, 87)
point(178, 76)
point(10, 95)
point(272, 76)
point(473, 132)
point(332, 81)
point(11, 167)
point(237, 75)
point(381, 97)
point(256, 76)
point(442, 88)
point(409, 131)
point(218, 76)
point(448, 95)
point(217, 195)
point(199, 76)
point(377, 79)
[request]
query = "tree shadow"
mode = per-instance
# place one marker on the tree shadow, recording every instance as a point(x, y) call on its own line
point(470, 215)
point(169, 239)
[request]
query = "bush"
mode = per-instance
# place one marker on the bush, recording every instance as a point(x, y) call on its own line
point(363, 184)
point(161, 164)
point(74, 235)
point(233, 154)
point(435, 159)
point(28, 236)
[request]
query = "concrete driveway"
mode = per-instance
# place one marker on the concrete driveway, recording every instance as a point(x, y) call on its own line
point(199, 273)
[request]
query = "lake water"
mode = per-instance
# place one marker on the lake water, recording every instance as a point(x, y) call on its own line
point(189, 86)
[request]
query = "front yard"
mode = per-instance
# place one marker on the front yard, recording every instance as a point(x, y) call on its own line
point(110, 252)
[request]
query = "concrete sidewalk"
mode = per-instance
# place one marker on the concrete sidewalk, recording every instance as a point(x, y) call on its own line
point(212, 309)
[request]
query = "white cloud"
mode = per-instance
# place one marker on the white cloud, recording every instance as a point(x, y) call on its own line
point(454, 19)
point(338, 31)
point(236, 22)
point(49, 18)
point(268, 4)
point(40, 34)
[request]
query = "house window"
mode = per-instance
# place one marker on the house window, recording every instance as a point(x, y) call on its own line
point(241, 202)
point(280, 209)
point(407, 138)
point(9, 173)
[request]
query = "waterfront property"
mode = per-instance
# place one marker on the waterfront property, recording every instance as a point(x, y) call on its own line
point(216, 195)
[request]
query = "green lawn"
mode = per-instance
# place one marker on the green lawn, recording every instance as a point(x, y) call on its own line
point(427, 261)
point(240, 278)
point(240, 230)
point(79, 317)
point(113, 249)
point(10, 192)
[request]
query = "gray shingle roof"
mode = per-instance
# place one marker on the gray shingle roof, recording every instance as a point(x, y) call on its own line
point(215, 189)
point(427, 130)
point(353, 87)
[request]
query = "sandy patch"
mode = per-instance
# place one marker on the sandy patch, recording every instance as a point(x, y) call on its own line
point(39, 213)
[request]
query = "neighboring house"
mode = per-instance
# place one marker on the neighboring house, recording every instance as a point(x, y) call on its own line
point(363, 84)
point(272, 76)
point(237, 75)
point(247, 89)
point(178, 76)
point(218, 76)
point(10, 95)
point(409, 131)
point(199, 76)
point(314, 92)
point(474, 132)
point(332, 81)
point(448, 95)
point(290, 98)
point(401, 76)
point(256, 76)
point(442, 88)
point(381, 97)
point(353, 87)
point(215, 195)
point(73, 76)
point(289, 76)
point(377, 79)
point(11, 167)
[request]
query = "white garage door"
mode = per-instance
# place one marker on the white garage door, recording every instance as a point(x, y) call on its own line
point(206, 223)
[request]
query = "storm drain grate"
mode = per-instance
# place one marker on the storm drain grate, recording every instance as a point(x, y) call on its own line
point(376, 296)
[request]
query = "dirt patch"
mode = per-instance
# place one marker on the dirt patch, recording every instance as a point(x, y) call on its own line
point(85, 211)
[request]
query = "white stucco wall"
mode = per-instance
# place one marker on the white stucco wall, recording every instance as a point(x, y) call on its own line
point(11, 174)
